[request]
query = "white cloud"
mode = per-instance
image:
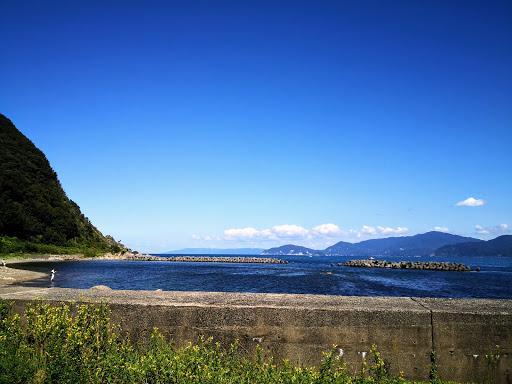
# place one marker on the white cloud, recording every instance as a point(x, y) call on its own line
point(368, 230)
point(320, 233)
point(379, 230)
point(242, 233)
point(327, 230)
point(205, 237)
point(496, 230)
point(481, 230)
point(441, 229)
point(284, 231)
point(392, 231)
point(289, 231)
point(471, 202)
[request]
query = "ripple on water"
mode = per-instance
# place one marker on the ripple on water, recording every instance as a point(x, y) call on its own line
point(311, 275)
point(424, 284)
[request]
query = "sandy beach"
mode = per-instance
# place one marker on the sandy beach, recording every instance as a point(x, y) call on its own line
point(13, 275)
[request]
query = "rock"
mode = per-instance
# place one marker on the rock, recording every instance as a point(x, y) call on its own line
point(430, 266)
point(209, 259)
point(101, 288)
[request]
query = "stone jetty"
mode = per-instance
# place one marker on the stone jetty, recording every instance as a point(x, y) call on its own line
point(208, 259)
point(430, 266)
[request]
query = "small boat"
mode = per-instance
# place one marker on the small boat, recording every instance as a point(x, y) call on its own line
point(372, 258)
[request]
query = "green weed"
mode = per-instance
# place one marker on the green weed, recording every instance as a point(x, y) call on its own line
point(80, 344)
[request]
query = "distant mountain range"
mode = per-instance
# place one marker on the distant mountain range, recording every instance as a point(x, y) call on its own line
point(425, 244)
point(215, 251)
point(291, 249)
point(500, 246)
point(430, 243)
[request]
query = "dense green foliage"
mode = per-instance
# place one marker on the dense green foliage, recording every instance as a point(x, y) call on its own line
point(34, 208)
point(52, 346)
point(14, 247)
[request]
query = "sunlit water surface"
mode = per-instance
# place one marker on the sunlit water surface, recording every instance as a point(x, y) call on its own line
point(302, 274)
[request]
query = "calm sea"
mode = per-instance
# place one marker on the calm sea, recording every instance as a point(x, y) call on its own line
point(302, 274)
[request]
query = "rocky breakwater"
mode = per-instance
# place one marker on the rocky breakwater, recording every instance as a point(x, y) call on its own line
point(209, 259)
point(430, 266)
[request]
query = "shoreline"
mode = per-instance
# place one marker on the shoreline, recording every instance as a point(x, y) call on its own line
point(145, 257)
point(42, 258)
point(13, 276)
point(10, 275)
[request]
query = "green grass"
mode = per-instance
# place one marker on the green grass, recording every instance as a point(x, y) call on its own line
point(11, 247)
point(50, 345)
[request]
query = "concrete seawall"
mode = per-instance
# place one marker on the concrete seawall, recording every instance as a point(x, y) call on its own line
point(472, 338)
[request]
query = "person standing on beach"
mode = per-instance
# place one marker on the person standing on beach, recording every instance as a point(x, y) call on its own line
point(53, 275)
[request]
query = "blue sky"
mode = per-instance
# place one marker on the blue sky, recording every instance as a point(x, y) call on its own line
point(229, 123)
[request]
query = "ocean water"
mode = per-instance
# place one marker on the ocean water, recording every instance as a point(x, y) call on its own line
point(302, 274)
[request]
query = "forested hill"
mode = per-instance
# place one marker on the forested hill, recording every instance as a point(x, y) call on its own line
point(500, 246)
point(35, 213)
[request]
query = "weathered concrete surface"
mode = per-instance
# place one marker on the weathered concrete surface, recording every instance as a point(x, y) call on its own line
point(474, 336)
point(301, 327)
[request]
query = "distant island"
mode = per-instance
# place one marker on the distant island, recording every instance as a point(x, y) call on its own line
point(426, 244)
point(500, 246)
point(292, 250)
